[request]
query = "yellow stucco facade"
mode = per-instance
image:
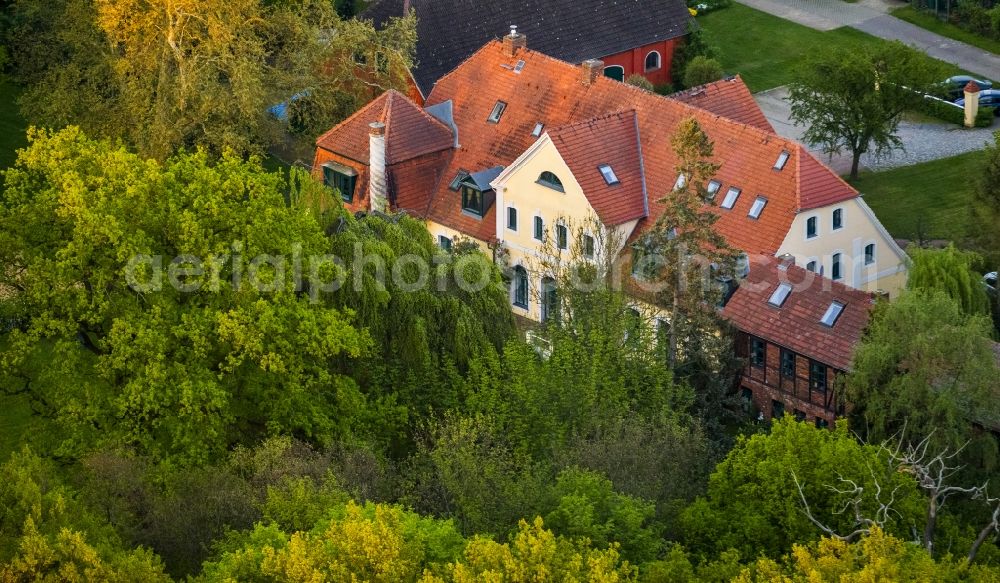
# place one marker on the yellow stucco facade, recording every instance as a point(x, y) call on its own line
point(869, 259)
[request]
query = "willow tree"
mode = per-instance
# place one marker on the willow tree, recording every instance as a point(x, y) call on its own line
point(949, 270)
point(168, 74)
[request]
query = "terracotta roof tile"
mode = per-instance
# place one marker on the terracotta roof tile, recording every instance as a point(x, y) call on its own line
point(410, 131)
point(818, 184)
point(613, 140)
point(729, 98)
point(796, 324)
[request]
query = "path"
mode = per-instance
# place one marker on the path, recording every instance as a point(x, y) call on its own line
point(871, 16)
point(922, 141)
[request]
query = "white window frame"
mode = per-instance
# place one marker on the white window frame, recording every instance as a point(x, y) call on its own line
point(843, 276)
point(760, 200)
point(736, 198)
point(659, 61)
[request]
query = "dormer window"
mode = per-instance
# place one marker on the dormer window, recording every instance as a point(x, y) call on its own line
point(757, 208)
point(782, 160)
point(497, 112)
point(341, 178)
point(609, 174)
point(472, 200)
point(731, 196)
point(550, 180)
point(538, 129)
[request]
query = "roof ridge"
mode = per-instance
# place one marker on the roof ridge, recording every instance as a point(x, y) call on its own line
point(357, 113)
point(464, 61)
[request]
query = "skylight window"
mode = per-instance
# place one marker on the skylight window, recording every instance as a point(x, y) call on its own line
point(497, 112)
point(731, 196)
point(832, 313)
point(681, 181)
point(519, 67)
point(538, 129)
point(779, 296)
point(713, 188)
point(609, 175)
point(757, 208)
point(782, 160)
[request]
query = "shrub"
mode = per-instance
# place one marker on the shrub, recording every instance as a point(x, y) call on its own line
point(975, 18)
point(702, 70)
point(640, 82)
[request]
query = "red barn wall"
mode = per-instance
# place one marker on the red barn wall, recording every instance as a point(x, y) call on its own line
point(634, 61)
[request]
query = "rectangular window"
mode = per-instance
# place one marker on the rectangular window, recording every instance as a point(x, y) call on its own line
point(538, 129)
point(497, 112)
point(838, 219)
point(512, 218)
point(811, 228)
point(472, 200)
point(782, 160)
point(609, 174)
point(800, 415)
point(681, 182)
point(747, 395)
point(832, 313)
point(787, 364)
point(520, 287)
point(713, 188)
point(444, 242)
point(780, 294)
point(822, 423)
point(561, 237)
point(835, 271)
point(731, 195)
point(817, 376)
point(342, 182)
point(811, 266)
point(777, 409)
point(539, 228)
point(758, 352)
point(757, 208)
point(588, 246)
point(869, 253)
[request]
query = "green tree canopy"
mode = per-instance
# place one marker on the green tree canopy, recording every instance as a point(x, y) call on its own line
point(927, 366)
point(949, 270)
point(753, 504)
point(852, 99)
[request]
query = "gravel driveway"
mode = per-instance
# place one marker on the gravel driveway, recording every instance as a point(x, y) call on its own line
point(922, 142)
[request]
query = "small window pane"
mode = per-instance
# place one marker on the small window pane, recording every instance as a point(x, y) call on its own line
point(758, 352)
point(832, 313)
point(520, 287)
point(512, 218)
point(811, 266)
point(538, 129)
point(680, 182)
point(777, 409)
point(811, 227)
point(588, 246)
point(817, 376)
point(713, 188)
point(838, 219)
point(497, 112)
point(787, 364)
point(609, 174)
point(731, 196)
point(782, 160)
point(561, 238)
point(869, 253)
point(652, 61)
point(539, 228)
point(550, 180)
point(835, 271)
point(444, 242)
point(780, 294)
point(757, 208)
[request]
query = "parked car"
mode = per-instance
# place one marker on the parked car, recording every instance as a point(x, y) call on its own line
point(987, 98)
point(953, 86)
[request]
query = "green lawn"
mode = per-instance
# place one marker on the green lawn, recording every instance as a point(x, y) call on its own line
point(765, 49)
point(932, 198)
point(12, 125)
point(930, 22)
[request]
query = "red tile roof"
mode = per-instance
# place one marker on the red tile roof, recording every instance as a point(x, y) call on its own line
point(729, 98)
point(612, 139)
point(796, 324)
point(552, 92)
point(410, 131)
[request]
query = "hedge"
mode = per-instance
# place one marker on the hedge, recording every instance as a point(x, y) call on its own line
point(953, 114)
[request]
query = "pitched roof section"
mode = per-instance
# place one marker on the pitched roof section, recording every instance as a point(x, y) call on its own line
point(819, 185)
point(613, 140)
point(410, 131)
point(729, 98)
point(573, 30)
point(801, 312)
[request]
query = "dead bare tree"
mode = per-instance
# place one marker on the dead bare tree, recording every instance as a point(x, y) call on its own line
point(855, 497)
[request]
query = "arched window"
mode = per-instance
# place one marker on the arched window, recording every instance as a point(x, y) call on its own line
point(521, 287)
point(551, 180)
point(652, 61)
point(616, 72)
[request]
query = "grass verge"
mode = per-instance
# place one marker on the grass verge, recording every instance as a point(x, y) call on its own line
point(930, 22)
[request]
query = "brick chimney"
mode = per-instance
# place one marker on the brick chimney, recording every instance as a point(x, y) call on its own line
point(514, 41)
point(592, 69)
point(377, 180)
point(971, 103)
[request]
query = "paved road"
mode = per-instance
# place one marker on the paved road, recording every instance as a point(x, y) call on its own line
point(870, 16)
point(921, 141)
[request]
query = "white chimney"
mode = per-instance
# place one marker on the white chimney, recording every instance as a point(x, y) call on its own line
point(377, 180)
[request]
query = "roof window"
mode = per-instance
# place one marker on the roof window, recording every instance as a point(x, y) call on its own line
point(538, 129)
point(832, 313)
point(731, 196)
point(757, 208)
point(681, 181)
point(713, 188)
point(609, 174)
point(497, 112)
point(780, 294)
point(782, 160)
point(519, 67)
